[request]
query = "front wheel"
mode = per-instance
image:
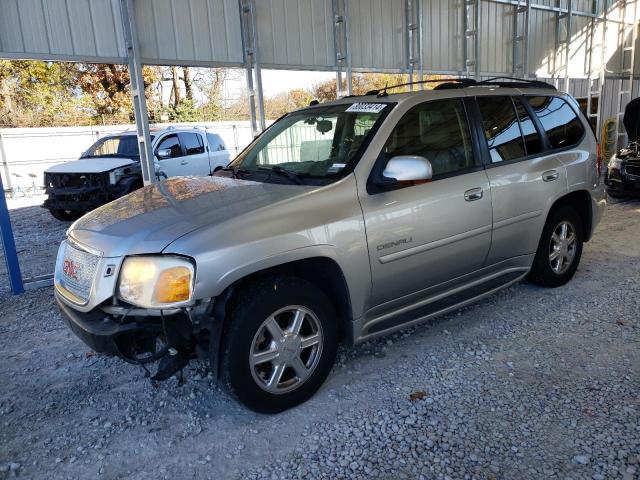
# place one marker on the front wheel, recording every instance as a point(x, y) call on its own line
point(559, 250)
point(280, 343)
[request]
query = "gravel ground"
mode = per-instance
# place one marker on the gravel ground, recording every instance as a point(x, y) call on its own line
point(529, 383)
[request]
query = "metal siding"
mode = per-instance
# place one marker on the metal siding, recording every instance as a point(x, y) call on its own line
point(376, 29)
point(442, 38)
point(184, 32)
point(73, 30)
point(294, 33)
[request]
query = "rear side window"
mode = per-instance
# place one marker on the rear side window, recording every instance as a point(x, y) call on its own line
point(215, 142)
point(532, 141)
point(558, 119)
point(501, 129)
point(193, 143)
point(437, 130)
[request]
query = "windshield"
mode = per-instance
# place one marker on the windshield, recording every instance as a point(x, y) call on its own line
point(120, 146)
point(316, 143)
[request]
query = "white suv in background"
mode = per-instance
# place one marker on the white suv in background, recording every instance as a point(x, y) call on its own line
point(110, 168)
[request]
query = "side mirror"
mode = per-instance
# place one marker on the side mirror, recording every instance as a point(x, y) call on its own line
point(407, 168)
point(163, 153)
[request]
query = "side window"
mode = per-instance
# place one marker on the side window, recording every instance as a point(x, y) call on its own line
point(171, 143)
point(558, 119)
point(215, 142)
point(193, 143)
point(437, 130)
point(501, 128)
point(532, 140)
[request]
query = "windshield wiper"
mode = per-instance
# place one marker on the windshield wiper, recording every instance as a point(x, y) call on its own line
point(290, 174)
point(235, 171)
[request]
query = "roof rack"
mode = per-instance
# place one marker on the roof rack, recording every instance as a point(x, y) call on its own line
point(447, 83)
point(460, 82)
point(514, 82)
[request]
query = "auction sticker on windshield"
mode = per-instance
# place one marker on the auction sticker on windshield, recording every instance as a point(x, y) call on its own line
point(364, 107)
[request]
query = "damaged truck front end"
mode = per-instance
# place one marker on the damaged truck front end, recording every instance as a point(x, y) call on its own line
point(71, 195)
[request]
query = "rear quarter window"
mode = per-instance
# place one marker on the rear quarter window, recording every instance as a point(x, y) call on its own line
point(559, 120)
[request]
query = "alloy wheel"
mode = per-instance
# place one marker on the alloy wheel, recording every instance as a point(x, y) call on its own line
point(562, 247)
point(286, 349)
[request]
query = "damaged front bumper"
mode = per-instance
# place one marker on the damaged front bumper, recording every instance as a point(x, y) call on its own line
point(172, 339)
point(81, 198)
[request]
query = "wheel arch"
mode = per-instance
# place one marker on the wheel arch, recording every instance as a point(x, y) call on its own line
point(323, 272)
point(580, 201)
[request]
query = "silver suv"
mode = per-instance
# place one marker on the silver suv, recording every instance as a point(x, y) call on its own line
point(342, 222)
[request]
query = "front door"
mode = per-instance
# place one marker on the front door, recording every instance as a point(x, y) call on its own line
point(173, 161)
point(421, 235)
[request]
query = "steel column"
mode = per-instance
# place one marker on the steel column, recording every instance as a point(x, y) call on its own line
point(412, 39)
point(471, 26)
point(137, 91)
point(9, 246)
point(252, 65)
point(340, 44)
point(521, 28)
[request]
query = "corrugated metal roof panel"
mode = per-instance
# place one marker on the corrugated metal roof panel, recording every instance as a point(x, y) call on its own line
point(376, 29)
point(294, 33)
point(80, 30)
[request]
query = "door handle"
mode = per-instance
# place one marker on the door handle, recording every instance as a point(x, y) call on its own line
point(183, 162)
point(550, 176)
point(473, 194)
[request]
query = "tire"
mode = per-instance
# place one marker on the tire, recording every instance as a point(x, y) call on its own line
point(551, 273)
point(66, 215)
point(246, 332)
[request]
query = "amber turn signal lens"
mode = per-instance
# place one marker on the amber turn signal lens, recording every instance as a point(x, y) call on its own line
point(173, 285)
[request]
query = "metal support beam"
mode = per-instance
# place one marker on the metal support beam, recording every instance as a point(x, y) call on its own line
point(596, 68)
point(471, 38)
point(341, 45)
point(521, 29)
point(137, 91)
point(413, 60)
point(252, 65)
point(9, 246)
point(625, 83)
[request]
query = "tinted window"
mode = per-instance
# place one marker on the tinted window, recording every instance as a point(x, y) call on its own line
point(532, 140)
point(215, 142)
point(558, 119)
point(436, 130)
point(171, 142)
point(501, 129)
point(192, 143)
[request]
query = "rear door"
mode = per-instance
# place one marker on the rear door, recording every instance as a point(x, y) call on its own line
point(524, 173)
point(196, 159)
point(219, 156)
point(423, 234)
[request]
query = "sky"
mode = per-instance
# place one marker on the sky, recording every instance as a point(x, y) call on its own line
point(277, 81)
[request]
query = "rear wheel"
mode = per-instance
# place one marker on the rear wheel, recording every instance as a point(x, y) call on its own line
point(279, 343)
point(560, 249)
point(66, 215)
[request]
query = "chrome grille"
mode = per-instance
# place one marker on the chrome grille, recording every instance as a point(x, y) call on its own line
point(77, 272)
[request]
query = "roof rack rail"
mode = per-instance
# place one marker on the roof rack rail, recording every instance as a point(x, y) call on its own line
point(459, 82)
point(447, 83)
point(514, 82)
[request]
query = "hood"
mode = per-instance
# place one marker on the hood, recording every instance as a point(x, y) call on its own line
point(631, 120)
point(149, 219)
point(91, 165)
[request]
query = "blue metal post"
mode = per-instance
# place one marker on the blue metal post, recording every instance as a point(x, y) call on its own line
point(9, 246)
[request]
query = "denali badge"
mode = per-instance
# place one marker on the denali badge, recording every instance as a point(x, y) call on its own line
point(396, 243)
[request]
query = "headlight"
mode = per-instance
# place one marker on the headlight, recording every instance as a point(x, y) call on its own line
point(615, 163)
point(116, 175)
point(156, 282)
